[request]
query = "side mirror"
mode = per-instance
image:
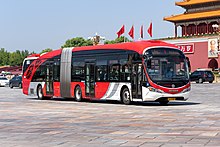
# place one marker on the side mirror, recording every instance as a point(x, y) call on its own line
point(148, 63)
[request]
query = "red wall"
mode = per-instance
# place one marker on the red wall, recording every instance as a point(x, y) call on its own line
point(199, 59)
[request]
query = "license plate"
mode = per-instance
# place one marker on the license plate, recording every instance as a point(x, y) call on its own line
point(171, 99)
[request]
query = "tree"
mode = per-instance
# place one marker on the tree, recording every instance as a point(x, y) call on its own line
point(12, 58)
point(76, 42)
point(4, 57)
point(15, 58)
point(118, 40)
point(46, 50)
point(24, 54)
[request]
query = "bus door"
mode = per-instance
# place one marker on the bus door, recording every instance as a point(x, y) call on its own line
point(90, 79)
point(49, 78)
point(136, 81)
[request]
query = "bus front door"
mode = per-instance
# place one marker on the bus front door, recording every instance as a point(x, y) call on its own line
point(49, 78)
point(136, 81)
point(90, 79)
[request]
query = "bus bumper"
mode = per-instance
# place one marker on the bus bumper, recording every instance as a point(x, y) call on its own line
point(154, 96)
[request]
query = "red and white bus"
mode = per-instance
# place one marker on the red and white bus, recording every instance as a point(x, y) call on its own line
point(133, 71)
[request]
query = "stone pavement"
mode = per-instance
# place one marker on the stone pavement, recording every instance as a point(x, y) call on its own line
point(28, 122)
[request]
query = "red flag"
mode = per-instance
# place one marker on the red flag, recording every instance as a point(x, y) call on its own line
point(131, 32)
point(149, 30)
point(142, 33)
point(121, 31)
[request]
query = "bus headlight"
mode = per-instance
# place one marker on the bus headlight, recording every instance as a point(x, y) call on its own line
point(155, 90)
point(186, 90)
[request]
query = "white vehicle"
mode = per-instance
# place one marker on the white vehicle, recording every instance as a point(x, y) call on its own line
point(4, 81)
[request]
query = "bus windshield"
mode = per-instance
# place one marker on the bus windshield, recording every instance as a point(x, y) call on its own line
point(164, 64)
point(26, 64)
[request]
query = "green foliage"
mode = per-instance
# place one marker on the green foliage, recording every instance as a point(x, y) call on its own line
point(13, 59)
point(76, 42)
point(118, 40)
point(79, 41)
point(24, 54)
point(46, 50)
point(4, 57)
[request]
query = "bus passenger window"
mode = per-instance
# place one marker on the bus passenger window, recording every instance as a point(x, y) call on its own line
point(77, 71)
point(125, 73)
point(56, 70)
point(114, 73)
point(101, 73)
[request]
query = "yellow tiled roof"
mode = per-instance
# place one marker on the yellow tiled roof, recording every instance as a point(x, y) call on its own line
point(192, 2)
point(190, 16)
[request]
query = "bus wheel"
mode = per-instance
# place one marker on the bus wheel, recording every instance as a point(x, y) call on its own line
point(78, 94)
point(125, 96)
point(164, 103)
point(40, 94)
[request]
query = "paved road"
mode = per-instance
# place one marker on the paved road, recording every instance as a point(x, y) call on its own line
point(26, 121)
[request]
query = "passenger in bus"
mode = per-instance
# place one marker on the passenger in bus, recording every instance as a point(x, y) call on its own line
point(170, 73)
point(102, 75)
point(114, 74)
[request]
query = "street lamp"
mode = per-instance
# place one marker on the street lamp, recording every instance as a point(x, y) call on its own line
point(216, 28)
point(96, 39)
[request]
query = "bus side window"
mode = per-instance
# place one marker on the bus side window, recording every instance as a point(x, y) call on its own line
point(77, 71)
point(114, 72)
point(102, 68)
point(56, 70)
point(101, 73)
point(125, 72)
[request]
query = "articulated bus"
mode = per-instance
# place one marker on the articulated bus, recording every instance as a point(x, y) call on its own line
point(127, 72)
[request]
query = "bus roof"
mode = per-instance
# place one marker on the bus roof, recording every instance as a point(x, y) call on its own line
point(33, 55)
point(138, 46)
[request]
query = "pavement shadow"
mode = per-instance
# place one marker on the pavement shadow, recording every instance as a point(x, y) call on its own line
point(175, 103)
point(52, 99)
point(106, 102)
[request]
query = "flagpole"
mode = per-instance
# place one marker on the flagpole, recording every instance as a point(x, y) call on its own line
point(133, 32)
point(142, 32)
point(124, 38)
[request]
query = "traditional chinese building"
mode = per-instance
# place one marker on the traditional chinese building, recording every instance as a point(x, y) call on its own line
point(198, 39)
point(198, 18)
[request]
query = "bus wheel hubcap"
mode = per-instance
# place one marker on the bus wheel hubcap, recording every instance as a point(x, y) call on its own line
point(126, 96)
point(78, 94)
point(39, 92)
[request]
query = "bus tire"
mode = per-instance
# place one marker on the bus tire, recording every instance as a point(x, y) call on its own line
point(78, 94)
point(125, 96)
point(40, 94)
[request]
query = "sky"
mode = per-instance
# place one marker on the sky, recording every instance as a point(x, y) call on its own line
point(35, 25)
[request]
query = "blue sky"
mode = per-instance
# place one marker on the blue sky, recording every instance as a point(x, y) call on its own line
point(38, 24)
